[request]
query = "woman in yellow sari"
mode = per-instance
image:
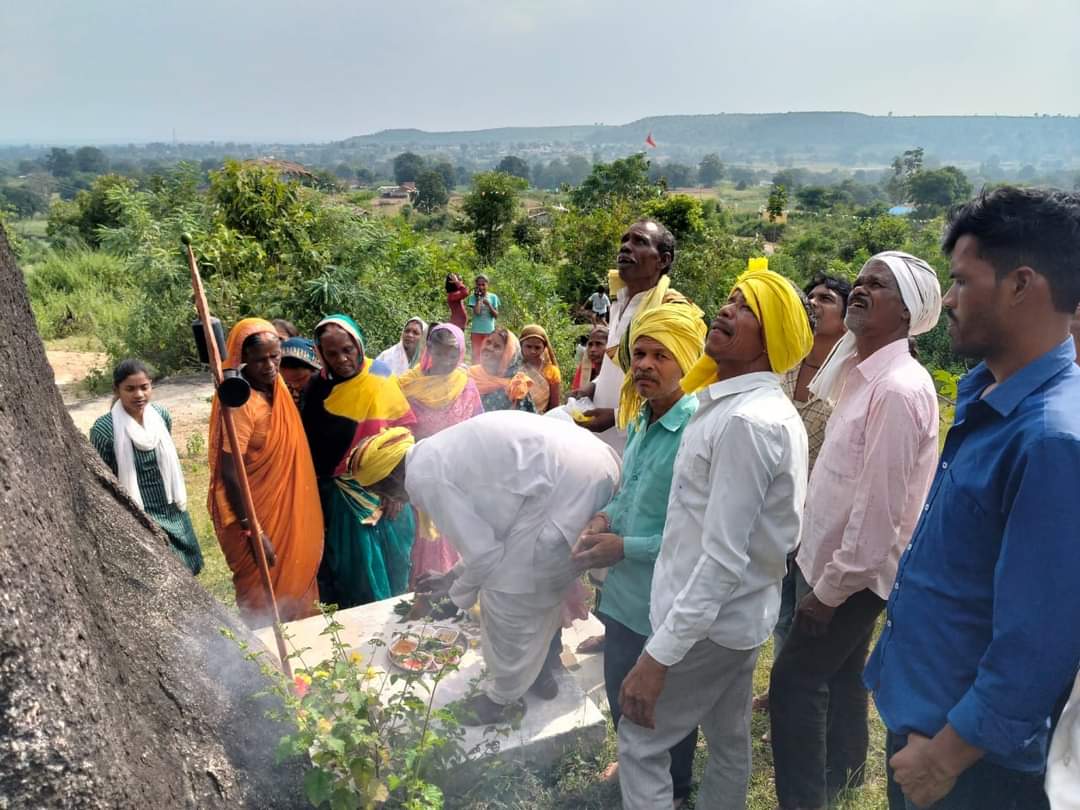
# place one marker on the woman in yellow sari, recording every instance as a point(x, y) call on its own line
point(543, 369)
point(441, 394)
point(499, 378)
point(271, 442)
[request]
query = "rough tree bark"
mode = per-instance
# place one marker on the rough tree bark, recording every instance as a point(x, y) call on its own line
point(116, 687)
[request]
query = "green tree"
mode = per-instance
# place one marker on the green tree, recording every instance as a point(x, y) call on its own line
point(60, 162)
point(448, 172)
point(364, 176)
point(92, 160)
point(431, 191)
point(904, 167)
point(937, 190)
point(624, 179)
point(407, 166)
point(815, 198)
point(777, 202)
point(512, 164)
point(24, 201)
point(89, 212)
point(344, 171)
point(681, 213)
point(710, 170)
point(673, 175)
point(489, 210)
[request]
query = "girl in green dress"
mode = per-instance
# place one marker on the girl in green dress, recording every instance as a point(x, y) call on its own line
point(135, 441)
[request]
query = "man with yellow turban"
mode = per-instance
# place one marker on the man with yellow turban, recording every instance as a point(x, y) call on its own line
point(532, 484)
point(734, 513)
point(664, 343)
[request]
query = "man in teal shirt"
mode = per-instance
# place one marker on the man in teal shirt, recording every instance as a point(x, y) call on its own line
point(664, 342)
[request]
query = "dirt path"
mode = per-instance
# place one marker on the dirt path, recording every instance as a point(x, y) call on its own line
point(186, 397)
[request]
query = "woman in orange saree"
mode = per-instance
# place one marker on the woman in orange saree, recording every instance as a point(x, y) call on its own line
point(271, 441)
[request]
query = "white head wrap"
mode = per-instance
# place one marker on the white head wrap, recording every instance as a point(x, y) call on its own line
point(921, 294)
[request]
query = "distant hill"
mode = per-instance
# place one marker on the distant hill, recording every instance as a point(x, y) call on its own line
point(841, 137)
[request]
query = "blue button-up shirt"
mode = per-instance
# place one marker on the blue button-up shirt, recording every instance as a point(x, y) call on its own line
point(981, 627)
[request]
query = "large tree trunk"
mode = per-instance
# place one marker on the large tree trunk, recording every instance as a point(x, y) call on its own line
point(116, 686)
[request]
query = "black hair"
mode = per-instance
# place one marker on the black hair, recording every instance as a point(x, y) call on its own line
point(288, 361)
point(285, 326)
point(451, 285)
point(1015, 227)
point(665, 240)
point(128, 367)
point(583, 340)
point(840, 286)
point(444, 337)
point(254, 339)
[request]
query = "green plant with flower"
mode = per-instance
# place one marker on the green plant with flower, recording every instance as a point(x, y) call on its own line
point(374, 739)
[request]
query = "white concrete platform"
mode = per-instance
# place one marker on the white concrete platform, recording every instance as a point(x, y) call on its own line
point(548, 728)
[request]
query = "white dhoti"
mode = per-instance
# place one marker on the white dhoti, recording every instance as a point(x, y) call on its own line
point(517, 628)
point(516, 632)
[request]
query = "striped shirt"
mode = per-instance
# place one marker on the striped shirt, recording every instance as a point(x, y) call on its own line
point(175, 522)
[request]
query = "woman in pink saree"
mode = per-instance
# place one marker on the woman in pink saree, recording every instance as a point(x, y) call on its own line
point(441, 394)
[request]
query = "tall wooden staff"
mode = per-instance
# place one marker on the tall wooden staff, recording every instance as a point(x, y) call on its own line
point(254, 526)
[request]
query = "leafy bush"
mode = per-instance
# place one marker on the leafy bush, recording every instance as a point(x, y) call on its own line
point(79, 292)
point(368, 744)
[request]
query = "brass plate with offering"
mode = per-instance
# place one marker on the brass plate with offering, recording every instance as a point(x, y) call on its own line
point(427, 649)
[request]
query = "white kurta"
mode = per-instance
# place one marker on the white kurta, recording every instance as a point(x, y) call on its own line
point(610, 379)
point(512, 491)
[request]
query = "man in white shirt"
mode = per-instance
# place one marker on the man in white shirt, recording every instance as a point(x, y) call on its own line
point(599, 304)
point(864, 498)
point(733, 517)
point(512, 491)
point(646, 254)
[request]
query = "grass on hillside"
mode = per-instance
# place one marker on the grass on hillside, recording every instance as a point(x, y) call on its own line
point(574, 782)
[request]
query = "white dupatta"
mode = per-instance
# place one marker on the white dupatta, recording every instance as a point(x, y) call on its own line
point(153, 435)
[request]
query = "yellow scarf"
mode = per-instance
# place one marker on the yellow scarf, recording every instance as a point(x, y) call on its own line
point(377, 456)
point(436, 391)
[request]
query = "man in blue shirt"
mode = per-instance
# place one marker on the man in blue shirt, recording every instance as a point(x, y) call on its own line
point(666, 342)
point(979, 643)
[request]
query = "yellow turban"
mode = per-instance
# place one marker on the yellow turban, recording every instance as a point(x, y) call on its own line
point(377, 456)
point(780, 311)
point(681, 329)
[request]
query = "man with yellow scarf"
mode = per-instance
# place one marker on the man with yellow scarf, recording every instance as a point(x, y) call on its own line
point(641, 282)
point(734, 514)
point(665, 343)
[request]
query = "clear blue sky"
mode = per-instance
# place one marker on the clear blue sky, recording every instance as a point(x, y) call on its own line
point(108, 70)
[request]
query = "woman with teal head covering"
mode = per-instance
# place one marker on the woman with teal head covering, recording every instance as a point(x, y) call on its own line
point(368, 546)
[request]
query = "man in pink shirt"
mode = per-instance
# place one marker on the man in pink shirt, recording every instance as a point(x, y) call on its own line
point(865, 495)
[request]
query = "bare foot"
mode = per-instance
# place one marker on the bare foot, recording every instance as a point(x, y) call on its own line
point(593, 644)
point(761, 703)
point(611, 773)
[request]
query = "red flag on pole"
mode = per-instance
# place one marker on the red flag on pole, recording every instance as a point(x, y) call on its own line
point(649, 141)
